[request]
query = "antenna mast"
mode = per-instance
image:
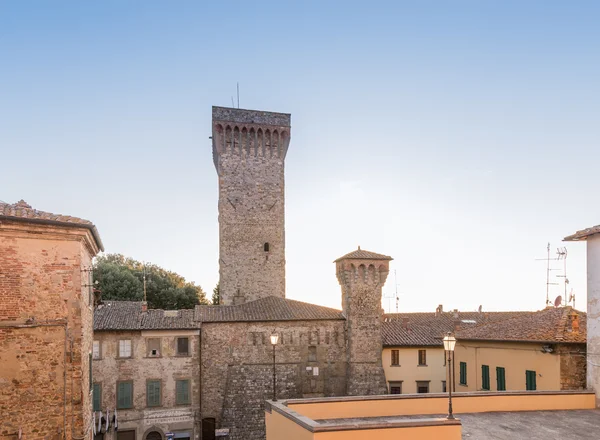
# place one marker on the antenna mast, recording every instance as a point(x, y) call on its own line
point(396, 282)
point(144, 272)
point(548, 269)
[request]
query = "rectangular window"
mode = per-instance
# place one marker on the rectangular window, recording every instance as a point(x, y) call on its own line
point(312, 353)
point(125, 348)
point(422, 387)
point(500, 379)
point(395, 387)
point(444, 386)
point(395, 358)
point(153, 347)
point(124, 395)
point(485, 377)
point(422, 357)
point(96, 350)
point(183, 346)
point(97, 397)
point(182, 392)
point(463, 373)
point(530, 380)
point(153, 393)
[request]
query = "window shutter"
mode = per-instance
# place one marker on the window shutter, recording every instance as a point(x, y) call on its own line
point(182, 345)
point(463, 373)
point(182, 392)
point(485, 377)
point(153, 393)
point(90, 363)
point(97, 396)
point(120, 393)
point(500, 379)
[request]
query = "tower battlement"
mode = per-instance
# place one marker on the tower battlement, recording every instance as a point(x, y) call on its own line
point(249, 133)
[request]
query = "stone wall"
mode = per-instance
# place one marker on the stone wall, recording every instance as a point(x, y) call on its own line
point(168, 367)
point(573, 366)
point(362, 281)
point(249, 153)
point(45, 330)
point(237, 369)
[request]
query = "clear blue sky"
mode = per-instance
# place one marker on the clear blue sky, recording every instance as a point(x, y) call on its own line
point(458, 137)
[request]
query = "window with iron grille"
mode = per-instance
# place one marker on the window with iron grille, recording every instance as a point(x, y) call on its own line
point(395, 387)
point(395, 358)
point(422, 387)
point(422, 357)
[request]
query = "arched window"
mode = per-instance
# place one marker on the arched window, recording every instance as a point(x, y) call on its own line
point(154, 435)
point(266, 247)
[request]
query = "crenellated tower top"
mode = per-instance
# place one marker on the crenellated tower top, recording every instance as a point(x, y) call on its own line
point(250, 133)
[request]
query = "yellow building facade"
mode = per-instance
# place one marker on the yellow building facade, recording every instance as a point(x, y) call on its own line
point(406, 373)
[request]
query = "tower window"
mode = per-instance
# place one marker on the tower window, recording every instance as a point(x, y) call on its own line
point(266, 247)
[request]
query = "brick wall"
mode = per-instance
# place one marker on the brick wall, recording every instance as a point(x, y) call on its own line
point(41, 292)
point(237, 369)
point(573, 366)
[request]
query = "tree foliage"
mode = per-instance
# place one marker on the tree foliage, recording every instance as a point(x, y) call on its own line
point(216, 297)
point(122, 278)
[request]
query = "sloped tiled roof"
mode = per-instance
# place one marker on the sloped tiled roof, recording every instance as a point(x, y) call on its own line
point(22, 211)
point(549, 325)
point(428, 329)
point(361, 254)
point(128, 315)
point(583, 234)
point(270, 308)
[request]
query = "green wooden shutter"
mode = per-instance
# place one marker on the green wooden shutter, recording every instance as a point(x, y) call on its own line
point(463, 373)
point(124, 395)
point(485, 377)
point(500, 379)
point(530, 380)
point(153, 393)
point(90, 364)
point(182, 392)
point(97, 397)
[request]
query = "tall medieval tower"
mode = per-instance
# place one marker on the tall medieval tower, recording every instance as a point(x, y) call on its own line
point(362, 275)
point(249, 149)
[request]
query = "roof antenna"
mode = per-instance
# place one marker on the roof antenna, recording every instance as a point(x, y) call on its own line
point(396, 282)
point(562, 255)
point(548, 269)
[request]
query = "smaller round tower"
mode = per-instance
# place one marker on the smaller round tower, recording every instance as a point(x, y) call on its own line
point(362, 275)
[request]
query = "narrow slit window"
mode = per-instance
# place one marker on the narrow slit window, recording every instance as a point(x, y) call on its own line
point(266, 247)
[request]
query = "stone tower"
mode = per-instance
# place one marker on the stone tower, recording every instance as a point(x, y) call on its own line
point(362, 274)
point(249, 149)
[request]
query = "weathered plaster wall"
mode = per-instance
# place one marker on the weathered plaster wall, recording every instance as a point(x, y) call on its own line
point(42, 291)
point(169, 367)
point(593, 314)
point(572, 366)
point(237, 369)
point(249, 150)
point(515, 357)
point(409, 371)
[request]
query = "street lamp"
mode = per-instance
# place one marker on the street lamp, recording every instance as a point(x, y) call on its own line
point(274, 340)
point(449, 344)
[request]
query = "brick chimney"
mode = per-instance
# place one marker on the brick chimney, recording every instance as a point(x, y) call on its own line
point(405, 323)
point(439, 310)
point(144, 306)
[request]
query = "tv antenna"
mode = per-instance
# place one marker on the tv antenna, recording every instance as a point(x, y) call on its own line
point(397, 297)
point(238, 97)
point(548, 269)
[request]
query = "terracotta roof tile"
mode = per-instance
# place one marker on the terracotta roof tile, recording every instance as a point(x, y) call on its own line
point(128, 315)
point(583, 234)
point(361, 254)
point(22, 211)
point(551, 325)
point(267, 309)
point(428, 329)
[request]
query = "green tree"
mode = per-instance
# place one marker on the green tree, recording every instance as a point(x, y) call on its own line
point(122, 278)
point(216, 298)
